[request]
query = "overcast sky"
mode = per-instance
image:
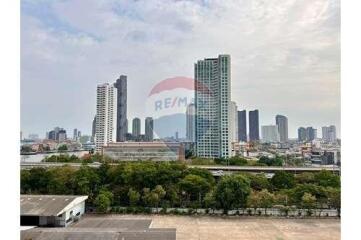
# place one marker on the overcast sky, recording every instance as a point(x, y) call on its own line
point(285, 56)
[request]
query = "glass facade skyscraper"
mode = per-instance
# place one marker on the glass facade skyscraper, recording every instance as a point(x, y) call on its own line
point(242, 126)
point(149, 126)
point(282, 125)
point(253, 125)
point(122, 128)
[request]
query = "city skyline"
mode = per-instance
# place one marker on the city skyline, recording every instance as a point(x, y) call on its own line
point(79, 53)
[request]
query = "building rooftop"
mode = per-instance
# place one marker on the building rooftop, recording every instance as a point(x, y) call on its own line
point(103, 228)
point(47, 205)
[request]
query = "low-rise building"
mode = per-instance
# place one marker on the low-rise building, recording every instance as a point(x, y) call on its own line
point(51, 210)
point(143, 151)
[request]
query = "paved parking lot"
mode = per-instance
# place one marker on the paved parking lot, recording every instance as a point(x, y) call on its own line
point(246, 228)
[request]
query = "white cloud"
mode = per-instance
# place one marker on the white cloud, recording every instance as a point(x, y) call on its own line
point(285, 55)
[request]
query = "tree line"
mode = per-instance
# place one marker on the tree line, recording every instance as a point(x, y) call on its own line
point(149, 184)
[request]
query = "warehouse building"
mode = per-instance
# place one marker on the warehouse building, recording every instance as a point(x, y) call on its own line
point(51, 210)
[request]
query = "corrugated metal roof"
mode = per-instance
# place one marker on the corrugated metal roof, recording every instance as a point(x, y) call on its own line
point(46, 205)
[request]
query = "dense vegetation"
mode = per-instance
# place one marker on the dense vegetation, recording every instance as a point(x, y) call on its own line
point(148, 184)
point(233, 161)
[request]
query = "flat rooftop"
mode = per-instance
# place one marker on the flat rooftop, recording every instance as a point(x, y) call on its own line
point(103, 227)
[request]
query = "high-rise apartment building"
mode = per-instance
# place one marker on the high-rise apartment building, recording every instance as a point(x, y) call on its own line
point(94, 128)
point(310, 134)
point(61, 135)
point(329, 133)
point(122, 127)
point(242, 126)
point(253, 121)
point(106, 113)
point(136, 127)
point(302, 134)
point(233, 122)
point(270, 134)
point(149, 126)
point(212, 102)
point(75, 134)
point(282, 125)
point(190, 122)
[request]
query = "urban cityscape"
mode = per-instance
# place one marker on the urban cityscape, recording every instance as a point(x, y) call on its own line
point(215, 129)
point(180, 120)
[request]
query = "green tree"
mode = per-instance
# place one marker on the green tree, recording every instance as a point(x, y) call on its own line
point(194, 186)
point(37, 181)
point(209, 200)
point(327, 179)
point(283, 180)
point(266, 199)
point(305, 178)
point(204, 173)
point(63, 147)
point(103, 201)
point(254, 200)
point(334, 198)
point(133, 196)
point(86, 181)
point(61, 180)
point(297, 193)
point(150, 198)
point(237, 161)
point(276, 161)
point(232, 192)
point(259, 182)
point(308, 202)
point(25, 186)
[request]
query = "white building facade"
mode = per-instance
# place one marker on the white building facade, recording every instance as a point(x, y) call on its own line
point(233, 122)
point(270, 134)
point(106, 112)
point(329, 133)
point(212, 103)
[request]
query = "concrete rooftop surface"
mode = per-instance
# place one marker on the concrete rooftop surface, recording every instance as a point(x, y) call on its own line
point(246, 228)
point(102, 227)
point(164, 227)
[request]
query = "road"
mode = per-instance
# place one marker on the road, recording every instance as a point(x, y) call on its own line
point(216, 170)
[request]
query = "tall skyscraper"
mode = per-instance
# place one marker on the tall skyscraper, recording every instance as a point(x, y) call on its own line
point(253, 121)
point(106, 113)
point(212, 103)
point(302, 135)
point(75, 134)
point(122, 128)
point(61, 135)
point(310, 134)
point(233, 122)
point(282, 125)
point(270, 134)
point(329, 133)
point(149, 126)
point(242, 126)
point(94, 128)
point(190, 122)
point(136, 127)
